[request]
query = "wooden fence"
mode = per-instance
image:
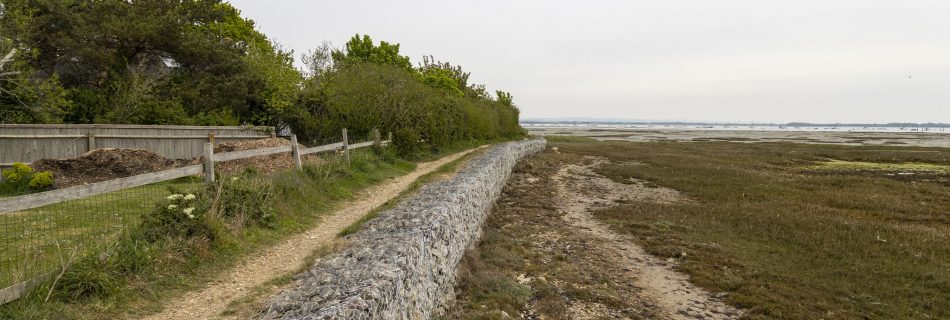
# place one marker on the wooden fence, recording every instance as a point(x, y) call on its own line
point(25, 202)
point(30, 142)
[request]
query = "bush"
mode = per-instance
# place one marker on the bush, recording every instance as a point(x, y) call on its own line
point(22, 179)
point(364, 96)
point(178, 215)
point(41, 181)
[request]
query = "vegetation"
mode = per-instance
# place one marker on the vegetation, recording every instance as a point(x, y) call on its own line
point(426, 109)
point(191, 234)
point(199, 62)
point(790, 242)
point(783, 239)
point(443, 172)
point(21, 178)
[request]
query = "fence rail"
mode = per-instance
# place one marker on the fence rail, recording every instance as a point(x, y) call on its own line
point(30, 142)
point(17, 213)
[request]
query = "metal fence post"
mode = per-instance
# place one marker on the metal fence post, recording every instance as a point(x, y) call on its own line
point(296, 152)
point(346, 146)
point(209, 162)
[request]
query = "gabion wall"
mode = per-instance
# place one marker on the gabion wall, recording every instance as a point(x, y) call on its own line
point(402, 264)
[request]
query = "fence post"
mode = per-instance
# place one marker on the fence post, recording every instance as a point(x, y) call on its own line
point(92, 141)
point(296, 151)
point(209, 162)
point(346, 146)
point(389, 138)
point(376, 138)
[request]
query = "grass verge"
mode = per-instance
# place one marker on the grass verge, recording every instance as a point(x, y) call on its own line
point(145, 267)
point(443, 172)
point(247, 306)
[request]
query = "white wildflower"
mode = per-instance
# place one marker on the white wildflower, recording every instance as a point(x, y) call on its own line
point(174, 197)
point(172, 207)
point(234, 178)
point(188, 212)
point(190, 197)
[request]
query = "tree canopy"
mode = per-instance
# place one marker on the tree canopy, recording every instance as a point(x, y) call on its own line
point(199, 62)
point(149, 62)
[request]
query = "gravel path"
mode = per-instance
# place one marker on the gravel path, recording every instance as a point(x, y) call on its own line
point(288, 256)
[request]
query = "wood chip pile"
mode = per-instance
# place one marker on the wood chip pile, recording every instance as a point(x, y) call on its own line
point(264, 164)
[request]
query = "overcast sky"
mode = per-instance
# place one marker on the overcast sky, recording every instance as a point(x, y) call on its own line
point(701, 60)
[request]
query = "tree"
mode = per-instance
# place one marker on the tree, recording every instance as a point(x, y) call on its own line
point(362, 49)
point(152, 61)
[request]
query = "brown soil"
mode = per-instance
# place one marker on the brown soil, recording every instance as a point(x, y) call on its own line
point(288, 256)
point(105, 164)
point(264, 164)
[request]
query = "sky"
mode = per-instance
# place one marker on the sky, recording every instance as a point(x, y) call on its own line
point(685, 60)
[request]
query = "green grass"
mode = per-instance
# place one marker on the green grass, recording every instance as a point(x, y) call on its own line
point(791, 243)
point(32, 241)
point(139, 276)
point(440, 173)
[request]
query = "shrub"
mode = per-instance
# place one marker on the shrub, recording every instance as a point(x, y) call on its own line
point(247, 199)
point(41, 181)
point(22, 179)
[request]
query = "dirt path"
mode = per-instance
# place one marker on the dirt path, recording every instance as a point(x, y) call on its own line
point(290, 255)
point(580, 190)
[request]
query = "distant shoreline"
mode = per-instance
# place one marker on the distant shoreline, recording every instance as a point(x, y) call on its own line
point(762, 124)
point(798, 127)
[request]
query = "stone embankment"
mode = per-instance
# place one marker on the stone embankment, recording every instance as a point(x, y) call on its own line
point(402, 264)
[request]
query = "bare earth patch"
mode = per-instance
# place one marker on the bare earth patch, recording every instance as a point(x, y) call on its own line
point(289, 256)
point(580, 191)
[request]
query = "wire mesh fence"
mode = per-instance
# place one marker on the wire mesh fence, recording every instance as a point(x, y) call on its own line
point(41, 240)
point(37, 241)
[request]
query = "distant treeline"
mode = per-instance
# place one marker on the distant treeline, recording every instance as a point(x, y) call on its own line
point(200, 63)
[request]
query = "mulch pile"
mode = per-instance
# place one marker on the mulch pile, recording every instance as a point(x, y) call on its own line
point(263, 164)
point(105, 164)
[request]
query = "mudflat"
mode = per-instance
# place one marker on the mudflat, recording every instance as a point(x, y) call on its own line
point(855, 138)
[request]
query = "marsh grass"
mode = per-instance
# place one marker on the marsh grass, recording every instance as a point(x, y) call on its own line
point(568, 138)
point(839, 165)
point(787, 243)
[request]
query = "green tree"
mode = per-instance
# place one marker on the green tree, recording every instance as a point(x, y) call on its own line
point(151, 61)
point(362, 49)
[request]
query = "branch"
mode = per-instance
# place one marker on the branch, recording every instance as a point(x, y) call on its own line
point(7, 58)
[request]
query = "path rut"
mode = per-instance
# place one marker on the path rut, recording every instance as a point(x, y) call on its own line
point(290, 255)
point(581, 190)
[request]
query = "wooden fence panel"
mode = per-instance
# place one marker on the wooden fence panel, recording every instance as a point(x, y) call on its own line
point(30, 142)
